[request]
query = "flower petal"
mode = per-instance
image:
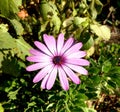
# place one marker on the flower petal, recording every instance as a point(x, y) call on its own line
point(42, 73)
point(50, 43)
point(36, 66)
point(71, 74)
point(78, 69)
point(44, 81)
point(60, 42)
point(82, 62)
point(52, 77)
point(67, 45)
point(39, 58)
point(78, 54)
point(63, 79)
point(42, 47)
point(74, 48)
point(35, 52)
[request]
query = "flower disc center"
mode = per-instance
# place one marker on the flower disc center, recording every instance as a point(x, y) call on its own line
point(58, 60)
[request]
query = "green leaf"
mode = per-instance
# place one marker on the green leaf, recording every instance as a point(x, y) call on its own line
point(86, 109)
point(116, 79)
point(18, 2)
point(3, 28)
point(114, 74)
point(31, 104)
point(96, 79)
point(47, 9)
point(6, 41)
point(90, 51)
point(95, 8)
point(1, 108)
point(115, 70)
point(10, 65)
point(78, 21)
point(87, 41)
point(17, 26)
point(56, 23)
point(94, 70)
point(22, 49)
point(102, 31)
point(50, 105)
point(8, 8)
point(67, 22)
point(18, 47)
point(49, 12)
point(12, 94)
point(98, 6)
point(106, 66)
point(112, 83)
point(1, 59)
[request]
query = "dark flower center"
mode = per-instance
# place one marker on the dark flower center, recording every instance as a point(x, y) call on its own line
point(58, 60)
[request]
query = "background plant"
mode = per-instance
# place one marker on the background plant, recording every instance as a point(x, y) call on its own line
point(88, 21)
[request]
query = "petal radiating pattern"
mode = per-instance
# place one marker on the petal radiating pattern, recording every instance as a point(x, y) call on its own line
point(52, 77)
point(35, 52)
point(42, 73)
point(63, 79)
point(44, 81)
point(39, 58)
point(36, 66)
point(60, 43)
point(77, 68)
point(55, 56)
point(78, 54)
point(71, 75)
point(74, 48)
point(81, 62)
point(50, 43)
point(42, 47)
point(67, 45)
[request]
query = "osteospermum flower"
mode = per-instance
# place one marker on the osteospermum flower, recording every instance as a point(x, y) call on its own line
point(57, 57)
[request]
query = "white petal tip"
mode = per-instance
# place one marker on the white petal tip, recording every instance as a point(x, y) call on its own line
point(66, 89)
point(27, 69)
point(77, 82)
point(85, 73)
point(35, 81)
point(48, 88)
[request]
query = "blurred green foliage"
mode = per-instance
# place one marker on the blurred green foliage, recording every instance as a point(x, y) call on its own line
point(24, 21)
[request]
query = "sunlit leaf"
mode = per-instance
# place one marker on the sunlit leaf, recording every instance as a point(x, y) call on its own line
point(18, 2)
point(6, 41)
point(1, 108)
point(17, 26)
point(90, 51)
point(95, 8)
point(3, 28)
point(106, 66)
point(31, 104)
point(56, 23)
point(87, 40)
point(102, 31)
point(49, 12)
point(12, 94)
point(78, 21)
point(88, 44)
point(22, 49)
point(86, 109)
point(68, 22)
point(8, 8)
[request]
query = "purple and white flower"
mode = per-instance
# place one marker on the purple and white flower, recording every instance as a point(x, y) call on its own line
point(57, 57)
